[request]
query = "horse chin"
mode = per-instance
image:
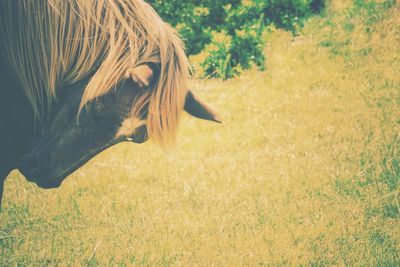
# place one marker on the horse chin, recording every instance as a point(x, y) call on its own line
point(47, 184)
point(51, 173)
point(52, 176)
point(41, 179)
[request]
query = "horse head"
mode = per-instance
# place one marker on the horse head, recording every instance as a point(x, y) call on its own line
point(69, 140)
point(94, 73)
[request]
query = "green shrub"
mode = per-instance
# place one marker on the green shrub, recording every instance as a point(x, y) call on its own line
point(200, 22)
point(226, 57)
point(217, 59)
point(290, 14)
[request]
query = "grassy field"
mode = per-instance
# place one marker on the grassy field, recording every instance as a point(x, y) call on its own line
point(305, 169)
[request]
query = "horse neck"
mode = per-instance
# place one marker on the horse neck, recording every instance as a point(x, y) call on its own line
point(16, 121)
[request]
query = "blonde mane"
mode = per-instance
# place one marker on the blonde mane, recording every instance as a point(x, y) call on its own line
point(54, 43)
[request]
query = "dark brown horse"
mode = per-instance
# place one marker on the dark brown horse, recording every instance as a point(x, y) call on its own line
point(16, 123)
point(92, 74)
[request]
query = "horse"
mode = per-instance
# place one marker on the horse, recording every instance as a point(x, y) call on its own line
point(16, 123)
point(79, 76)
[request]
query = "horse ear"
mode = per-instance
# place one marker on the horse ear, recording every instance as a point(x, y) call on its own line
point(199, 109)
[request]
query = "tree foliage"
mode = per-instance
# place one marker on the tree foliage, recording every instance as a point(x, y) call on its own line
point(228, 33)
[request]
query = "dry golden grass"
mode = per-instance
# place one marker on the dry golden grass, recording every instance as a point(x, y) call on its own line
point(302, 171)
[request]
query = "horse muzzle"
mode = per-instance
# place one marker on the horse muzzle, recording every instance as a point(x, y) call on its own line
point(32, 168)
